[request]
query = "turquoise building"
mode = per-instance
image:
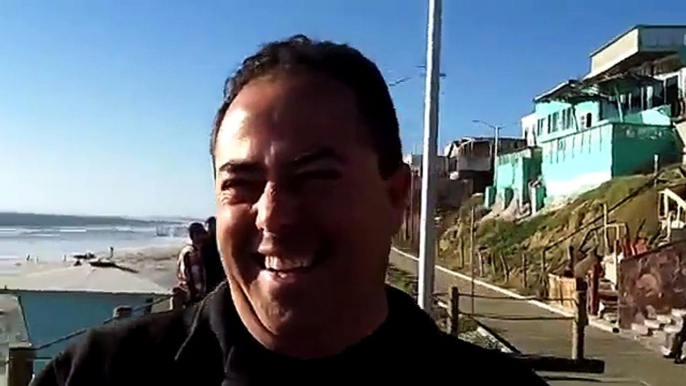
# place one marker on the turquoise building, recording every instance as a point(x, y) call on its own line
point(57, 302)
point(620, 119)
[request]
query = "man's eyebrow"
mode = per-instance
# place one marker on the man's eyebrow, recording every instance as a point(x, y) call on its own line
point(240, 167)
point(325, 153)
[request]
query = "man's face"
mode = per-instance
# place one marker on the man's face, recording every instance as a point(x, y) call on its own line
point(304, 218)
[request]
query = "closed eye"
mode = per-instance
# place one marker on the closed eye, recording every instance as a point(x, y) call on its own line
point(237, 183)
point(321, 174)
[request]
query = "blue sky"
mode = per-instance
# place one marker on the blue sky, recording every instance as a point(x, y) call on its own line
point(105, 106)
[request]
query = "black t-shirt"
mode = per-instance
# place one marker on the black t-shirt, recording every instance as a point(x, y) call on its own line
point(207, 344)
point(214, 270)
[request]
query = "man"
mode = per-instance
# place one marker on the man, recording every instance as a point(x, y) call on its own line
point(678, 342)
point(190, 266)
point(310, 188)
point(214, 270)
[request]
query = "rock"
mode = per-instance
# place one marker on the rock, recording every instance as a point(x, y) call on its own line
point(663, 338)
point(664, 319)
point(665, 351)
point(610, 317)
point(650, 312)
point(679, 313)
point(640, 329)
point(672, 329)
point(653, 324)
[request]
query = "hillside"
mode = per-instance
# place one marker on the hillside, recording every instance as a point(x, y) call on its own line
point(11, 219)
point(502, 244)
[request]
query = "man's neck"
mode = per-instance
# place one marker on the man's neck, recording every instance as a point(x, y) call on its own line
point(348, 329)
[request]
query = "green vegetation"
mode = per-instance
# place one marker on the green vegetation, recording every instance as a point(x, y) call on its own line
point(504, 245)
point(408, 283)
point(402, 280)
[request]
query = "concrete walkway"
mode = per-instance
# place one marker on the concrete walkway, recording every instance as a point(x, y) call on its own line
point(627, 362)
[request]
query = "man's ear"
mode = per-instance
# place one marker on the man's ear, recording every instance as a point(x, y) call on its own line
point(398, 190)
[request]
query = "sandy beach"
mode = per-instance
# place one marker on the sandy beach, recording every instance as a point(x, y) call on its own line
point(156, 263)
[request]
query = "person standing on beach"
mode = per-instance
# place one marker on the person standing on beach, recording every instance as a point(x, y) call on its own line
point(214, 270)
point(190, 268)
point(310, 188)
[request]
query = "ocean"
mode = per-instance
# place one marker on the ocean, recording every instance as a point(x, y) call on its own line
point(51, 237)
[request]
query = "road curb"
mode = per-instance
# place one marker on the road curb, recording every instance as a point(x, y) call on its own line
point(506, 292)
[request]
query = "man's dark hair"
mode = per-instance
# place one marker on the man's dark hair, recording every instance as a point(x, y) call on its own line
point(211, 224)
point(196, 229)
point(339, 62)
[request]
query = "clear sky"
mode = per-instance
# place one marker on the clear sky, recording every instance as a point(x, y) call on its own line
point(106, 106)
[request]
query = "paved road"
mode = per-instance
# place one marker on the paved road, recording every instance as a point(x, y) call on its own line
point(626, 362)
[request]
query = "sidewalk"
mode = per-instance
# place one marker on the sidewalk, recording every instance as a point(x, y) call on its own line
point(627, 362)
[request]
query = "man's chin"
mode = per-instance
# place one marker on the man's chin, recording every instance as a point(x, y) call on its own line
point(287, 324)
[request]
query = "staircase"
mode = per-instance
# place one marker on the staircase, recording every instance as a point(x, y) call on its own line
point(609, 300)
point(672, 216)
point(658, 330)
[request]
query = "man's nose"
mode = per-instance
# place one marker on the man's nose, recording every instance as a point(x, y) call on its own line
point(276, 209)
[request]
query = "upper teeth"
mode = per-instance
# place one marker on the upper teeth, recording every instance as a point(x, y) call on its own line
point(278, 264)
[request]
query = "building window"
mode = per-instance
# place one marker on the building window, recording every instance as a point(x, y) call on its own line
point(554, 122)
point(671, 89)
point(624, 103)
point(539, 127)
point(589, 120)
point(635, 101)
point(658, 97)
point(567, 119)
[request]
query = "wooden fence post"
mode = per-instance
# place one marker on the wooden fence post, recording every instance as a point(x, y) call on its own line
point(471, 282)
point(570, 258)
point(580, 321)
point(462, 252)
point(471, 237)
point(178, 298)
point(506, 267)
point(19, 370)
point(454, 312)
point(544, 273)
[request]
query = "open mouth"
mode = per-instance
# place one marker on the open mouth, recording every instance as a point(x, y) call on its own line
point(289, 264)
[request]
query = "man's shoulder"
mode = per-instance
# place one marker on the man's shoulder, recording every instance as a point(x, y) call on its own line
point(125, 345)
point(486, 364)
point(152, 329)
point(186, 249)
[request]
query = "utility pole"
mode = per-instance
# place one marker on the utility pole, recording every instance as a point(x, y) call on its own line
point(427, 235)
point(496, 146)
point(471, 255)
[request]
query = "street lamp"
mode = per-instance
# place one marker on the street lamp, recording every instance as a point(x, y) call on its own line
point(406, 78)
point(427, 235)
point(495, 145)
